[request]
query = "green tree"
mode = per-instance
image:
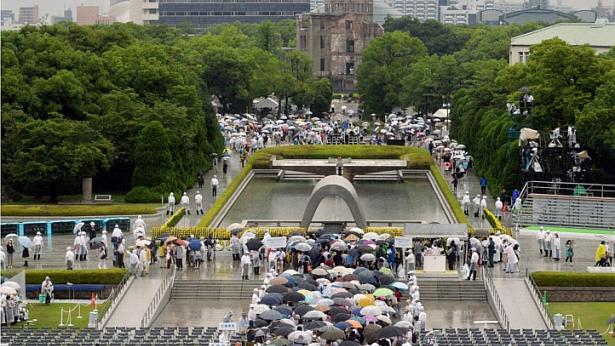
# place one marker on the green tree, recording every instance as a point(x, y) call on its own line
point(386, 61)
point(439, 39)
point(153, 158)
point(322, 96)
point(56, 151)
point(430, 81)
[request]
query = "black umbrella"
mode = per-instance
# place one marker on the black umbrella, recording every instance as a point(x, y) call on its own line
point(271, 299)
point(293, 297)
point(341, 302)
point(350, 277)
point(364, 249)
point(96, 243)
point(254, 244)
point(341, 317)
point(258, 323)
point(313, 325)
point(367, 277)
point(389, 332)
point(283, 330)
point(303, 309)
point(284, 310)
point(337, 310)
point(349, 343)
point(271, 315)
point(277, 289)
point(386, 280)
point(341, 295)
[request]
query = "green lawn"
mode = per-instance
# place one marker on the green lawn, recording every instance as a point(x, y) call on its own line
point(592, 315)
point(572, 230)
point(48, 316)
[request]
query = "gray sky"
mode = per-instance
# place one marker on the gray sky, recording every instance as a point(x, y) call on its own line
point(56, 7)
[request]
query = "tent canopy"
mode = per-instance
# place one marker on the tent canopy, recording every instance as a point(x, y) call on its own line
point(415, 230)
point(265, 103)
point(440, 114)
point(528, 134)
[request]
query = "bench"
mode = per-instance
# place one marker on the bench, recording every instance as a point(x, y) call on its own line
point(102, 198)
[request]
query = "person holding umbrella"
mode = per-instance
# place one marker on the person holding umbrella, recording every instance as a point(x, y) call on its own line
point(26, 243)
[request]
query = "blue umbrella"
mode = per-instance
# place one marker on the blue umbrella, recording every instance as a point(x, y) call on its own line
point(271, 299)
point(342, 325)
point(194, 244)
point(400, 286)
point(284, 310)
point(25, 242)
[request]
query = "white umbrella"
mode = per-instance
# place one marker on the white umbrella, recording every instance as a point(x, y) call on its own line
point(385, 319)
point(303, 247)
point(371, 235)
point(385, 236)
point(296, 238)
point(78, 227)
point(12, 284)
point(260, 308)
point(10, 236)
point(304, 336)
point(356, 230)
point(371, 310)
point(234, 226)
point(339, 270)
point(7, 290)
point(314, 314)
point(368, 257)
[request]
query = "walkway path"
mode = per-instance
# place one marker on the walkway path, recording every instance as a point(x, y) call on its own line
point(519, 304)
point(135, 302)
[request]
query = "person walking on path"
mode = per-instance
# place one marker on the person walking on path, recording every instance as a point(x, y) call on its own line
point(483, 206)
point(556, 246)
point(512, 260)
point(245, 266)
point(47, 289)
point(102, 257)
point(170, 204)
point(476, 201)
point(569, 252)
point(600, 255)
point(465, 202)
point(498, 208)
point(198, 200)
point(491, 251)
point(69, 258)
point(214, 186)
point(184, 202)
point(540, 238)
point(38, 245)
point(180, 254)
point(483, 185)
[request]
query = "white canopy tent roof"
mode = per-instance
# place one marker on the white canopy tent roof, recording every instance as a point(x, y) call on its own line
point(441, 113)
point(417, 230)
point(265, 103)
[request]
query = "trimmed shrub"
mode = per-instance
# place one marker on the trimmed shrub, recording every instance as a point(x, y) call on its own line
point(142, 194)
point(79, 276)
point(76, 210)
point(174, 219)
point(573, 279)
point(450, 198)
point(496, 223)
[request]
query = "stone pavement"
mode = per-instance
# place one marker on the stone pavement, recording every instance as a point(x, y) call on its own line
point(518, 303)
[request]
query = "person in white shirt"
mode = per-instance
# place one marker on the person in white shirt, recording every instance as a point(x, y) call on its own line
point(483, 206)
point(245, 266)
point(184, 202)
point(465, 202)
point(170, 204)
point(540, 238)
point(116, 236)
point(38, 245)
point(214, 186)
point(557, 246)
point(476, 201)
point(133, 262)
point(547, 244)
point(69, 258)
point(498, 208)
point(423, 319)
point(512, 263)
point(473, 264)
point(198, 199)
point(271, 260)
point(104, 237)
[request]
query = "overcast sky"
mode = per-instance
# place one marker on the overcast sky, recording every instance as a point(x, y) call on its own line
point(56, 7)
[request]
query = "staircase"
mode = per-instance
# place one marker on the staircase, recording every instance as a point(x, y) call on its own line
point(214, 289)
point(380, 176)
point(452, 289)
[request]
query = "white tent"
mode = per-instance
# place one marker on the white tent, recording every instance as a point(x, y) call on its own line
point(528, 134)
point(265, 103)
point(441, 113)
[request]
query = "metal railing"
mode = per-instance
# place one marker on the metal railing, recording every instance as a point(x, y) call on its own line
point(531, 285)
point(116, 294)
point(150, 313)
point(494, 298)
point(568, 189)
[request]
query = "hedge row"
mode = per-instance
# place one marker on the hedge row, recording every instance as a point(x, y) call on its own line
point(496, 223)
point(76, 210)
point(79, 276)
point(450, 198)
point(174, 219)
point(573, 279)
point(417, 159)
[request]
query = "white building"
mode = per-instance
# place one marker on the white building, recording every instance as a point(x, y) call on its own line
point(600, 36)
point(507, 6)
point(464, 12)
point(135, 11)
point(421, 9)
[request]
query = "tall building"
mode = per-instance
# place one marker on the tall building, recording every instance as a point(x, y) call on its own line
point(87, 15)
point(29, 15)
point(335, 38)
point(507, 6)
point(421, 9)
point(205, 13)
point(8, 15)
point(135, 11)
point(464, 12)
point(68, 17)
